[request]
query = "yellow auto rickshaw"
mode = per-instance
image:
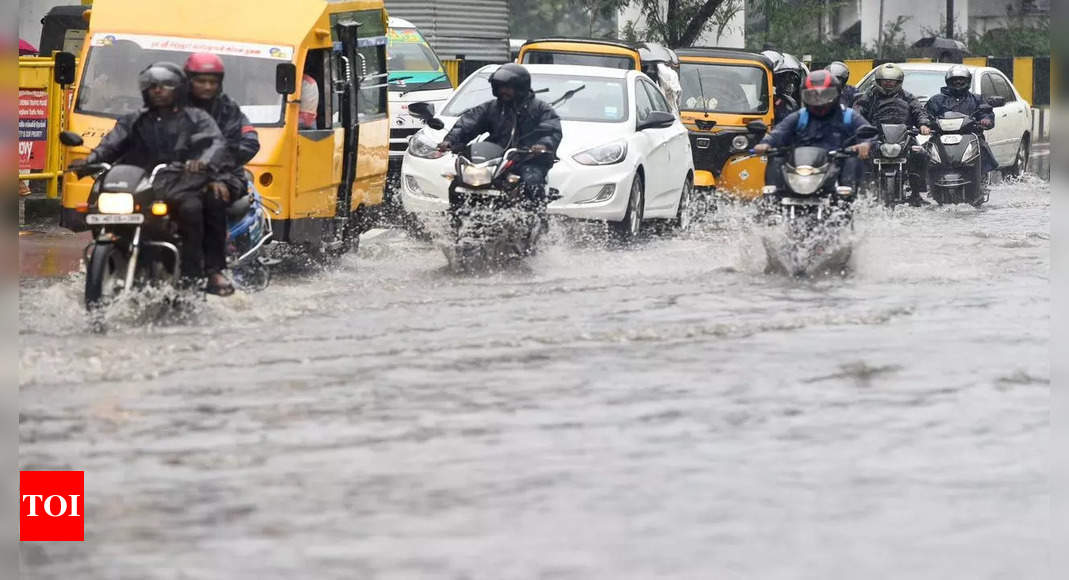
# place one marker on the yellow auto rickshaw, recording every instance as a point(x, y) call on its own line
point(641, 56)
point(723, 91)
point(317, 171)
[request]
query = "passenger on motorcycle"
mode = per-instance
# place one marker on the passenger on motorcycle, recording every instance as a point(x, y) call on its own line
point(888, 103)
point(822, 123)
point(515, 118)
point(957, 97)
point(842, 72)
point(168, 131)
point(205, 72)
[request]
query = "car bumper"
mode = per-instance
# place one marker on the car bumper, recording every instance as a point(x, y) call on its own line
point(591, 192)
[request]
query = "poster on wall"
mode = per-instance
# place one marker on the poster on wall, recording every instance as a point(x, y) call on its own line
point(33, 129)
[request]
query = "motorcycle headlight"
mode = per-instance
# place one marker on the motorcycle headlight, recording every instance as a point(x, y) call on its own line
point(115, 203)
point(805, 184)
point(477, 175)
point(424, 149)
point(951, 125)
point(971, 152)
point(890, 149)
point(740, 143)
point(607, 154)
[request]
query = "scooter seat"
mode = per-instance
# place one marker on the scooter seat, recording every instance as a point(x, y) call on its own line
point(239, 208)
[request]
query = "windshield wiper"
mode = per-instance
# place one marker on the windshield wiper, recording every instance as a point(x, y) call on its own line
point(423, 84)
point(401, 79)
point(567, 95)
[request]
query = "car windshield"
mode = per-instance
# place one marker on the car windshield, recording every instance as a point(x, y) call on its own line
point(920, 83)
point(600, 100)
point(725, 88)
point(411, 61)
point(579, 58)
point(109, 82)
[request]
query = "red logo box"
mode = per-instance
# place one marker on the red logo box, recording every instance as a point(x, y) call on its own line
point(52, 506)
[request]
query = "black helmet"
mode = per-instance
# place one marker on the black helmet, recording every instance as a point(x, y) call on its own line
point(840, 70)
point(959, 79)
point(511, 75)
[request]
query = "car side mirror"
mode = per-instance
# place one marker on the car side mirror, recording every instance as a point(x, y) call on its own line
point(985, 107)
point(435, 124)
point(757, 127)
point(867, 132)
point(70, 139)
point(996, 101)
point(657, 120)
point(424, 111)
point(64, 69)
point(286, 78)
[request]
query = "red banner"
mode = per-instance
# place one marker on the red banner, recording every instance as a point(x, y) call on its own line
point(33, 129)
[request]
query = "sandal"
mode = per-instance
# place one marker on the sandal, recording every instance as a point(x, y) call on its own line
point(219, 288)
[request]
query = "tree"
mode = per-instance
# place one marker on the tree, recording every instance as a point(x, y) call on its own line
point(677, 23)
point(589, 18)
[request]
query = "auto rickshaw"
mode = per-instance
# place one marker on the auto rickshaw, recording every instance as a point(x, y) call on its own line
point(317, 171)
point(641, 56)
point(723, 91)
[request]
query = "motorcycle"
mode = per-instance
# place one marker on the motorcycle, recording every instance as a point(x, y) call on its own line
point(889, 159)
point(135, 241)
point(493, 218)
point(955, 169)
point(812, 208)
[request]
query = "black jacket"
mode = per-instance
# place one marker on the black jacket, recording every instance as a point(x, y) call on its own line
point(242, 141)
point(900, 108)
point(149, 138)
point(848, 96)
point(966, 104)
point(525, 124)
point(829, 132)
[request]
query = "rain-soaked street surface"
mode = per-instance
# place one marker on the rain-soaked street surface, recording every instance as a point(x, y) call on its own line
point(667, 411)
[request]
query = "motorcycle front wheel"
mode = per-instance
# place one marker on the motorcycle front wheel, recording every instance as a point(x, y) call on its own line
point(104, 275)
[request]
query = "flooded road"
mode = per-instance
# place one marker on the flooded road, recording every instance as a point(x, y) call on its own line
point(668, 411)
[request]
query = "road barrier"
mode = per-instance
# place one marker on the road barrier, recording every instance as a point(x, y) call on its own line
point(42, 105)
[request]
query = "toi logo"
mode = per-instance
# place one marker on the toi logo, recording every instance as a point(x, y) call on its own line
point(51, 506)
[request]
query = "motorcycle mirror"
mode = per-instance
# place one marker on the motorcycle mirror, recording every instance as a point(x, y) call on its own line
point(70, 139)
point(435, 124)
point(867, 132)
point(63, 73)
point(286, 78)
point(996, 101)
point(424, 111)
point(757, 127)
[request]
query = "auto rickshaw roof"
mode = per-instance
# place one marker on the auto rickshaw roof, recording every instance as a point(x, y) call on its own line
point(647, 51)
point(716, 52)
point(270, 21)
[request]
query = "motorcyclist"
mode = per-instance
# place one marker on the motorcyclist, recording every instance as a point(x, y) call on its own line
point(515, 118)
point(169, 131)
point(822, 123)
point(787, 75)
point(205, 72)
point(842, 72)
point(957, 97)
point(888, 103)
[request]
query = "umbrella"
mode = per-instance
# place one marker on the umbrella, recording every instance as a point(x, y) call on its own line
point(941, 48)
point(26, 48)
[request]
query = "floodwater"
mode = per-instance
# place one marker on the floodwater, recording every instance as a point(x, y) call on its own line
point(665, 411)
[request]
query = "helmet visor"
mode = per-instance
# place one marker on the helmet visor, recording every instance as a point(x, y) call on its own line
point(820, 97)
point(958, 83)
point(889, 84)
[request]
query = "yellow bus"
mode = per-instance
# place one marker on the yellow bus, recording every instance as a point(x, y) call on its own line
point(319, 173)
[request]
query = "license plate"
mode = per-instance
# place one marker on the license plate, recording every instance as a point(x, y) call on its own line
point(950, 139)
point(103, 219)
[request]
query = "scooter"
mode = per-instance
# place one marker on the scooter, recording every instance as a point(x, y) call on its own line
point(955, 168)
point(813, 209)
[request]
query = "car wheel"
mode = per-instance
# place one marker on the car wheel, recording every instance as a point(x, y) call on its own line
point(628, 228)
point(1020, 163)
point(687, 214)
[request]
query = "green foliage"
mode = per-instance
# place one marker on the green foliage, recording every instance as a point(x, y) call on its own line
point(578, 18)
point(677, 23)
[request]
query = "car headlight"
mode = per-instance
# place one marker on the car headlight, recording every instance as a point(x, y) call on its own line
point(607, 154)
point(891, 149)
point(805, 184)
point(740, 143)
point(476, 175)
point(971, 152)
point(115, 203)
point(420, 147)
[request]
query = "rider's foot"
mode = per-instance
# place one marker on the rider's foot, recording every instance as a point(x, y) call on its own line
point(219, 285)
point(917, 201)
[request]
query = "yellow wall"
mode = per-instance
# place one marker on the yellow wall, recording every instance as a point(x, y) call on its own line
point(858, 69)
point(1023, 77)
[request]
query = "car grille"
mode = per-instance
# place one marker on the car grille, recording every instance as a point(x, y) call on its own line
point(399, 139)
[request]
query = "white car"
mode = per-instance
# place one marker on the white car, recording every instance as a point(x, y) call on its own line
point(616, 164)
point(1011, 137)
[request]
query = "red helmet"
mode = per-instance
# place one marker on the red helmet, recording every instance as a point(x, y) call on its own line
point(204, 63)
point(820, 90)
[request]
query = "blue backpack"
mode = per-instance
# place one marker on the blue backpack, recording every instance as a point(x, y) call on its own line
point(803, 118)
